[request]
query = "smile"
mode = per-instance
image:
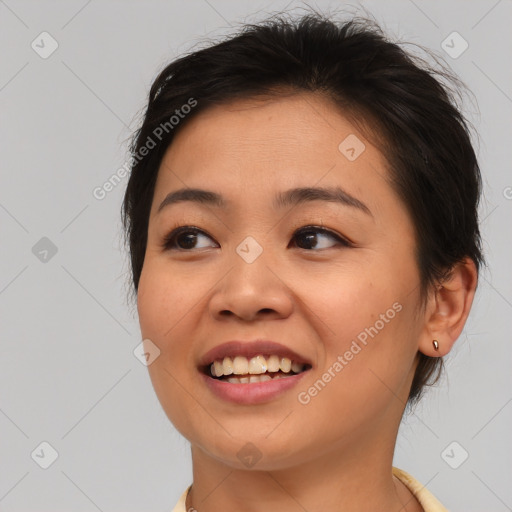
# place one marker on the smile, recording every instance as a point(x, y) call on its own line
point(260, 368)
point(255, 380)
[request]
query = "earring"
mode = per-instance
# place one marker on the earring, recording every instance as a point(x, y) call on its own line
point(436, 345)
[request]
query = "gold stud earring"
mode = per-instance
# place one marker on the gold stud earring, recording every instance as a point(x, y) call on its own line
point(436, 345)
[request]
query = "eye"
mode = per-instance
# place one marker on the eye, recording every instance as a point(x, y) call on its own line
point(184, 238)
point(309, 237)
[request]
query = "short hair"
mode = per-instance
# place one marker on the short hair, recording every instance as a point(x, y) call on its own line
point(406, 105)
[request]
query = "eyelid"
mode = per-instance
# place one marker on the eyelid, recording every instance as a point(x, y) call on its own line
point(326, 231)
point(176, 231)
point(169, 238)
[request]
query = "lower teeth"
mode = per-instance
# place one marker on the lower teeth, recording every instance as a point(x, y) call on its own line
point(249, 379)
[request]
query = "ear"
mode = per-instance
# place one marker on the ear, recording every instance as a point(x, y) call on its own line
point(448, 309)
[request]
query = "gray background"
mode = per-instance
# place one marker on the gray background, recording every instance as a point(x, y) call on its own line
point(68, 374)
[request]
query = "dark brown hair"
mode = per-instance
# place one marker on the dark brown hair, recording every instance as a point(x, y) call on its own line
point(413, 114)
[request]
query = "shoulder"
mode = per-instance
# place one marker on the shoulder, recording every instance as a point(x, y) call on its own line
point(180, 506)
point(426, 499)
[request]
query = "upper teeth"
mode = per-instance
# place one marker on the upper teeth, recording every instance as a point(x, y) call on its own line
point(257, 365)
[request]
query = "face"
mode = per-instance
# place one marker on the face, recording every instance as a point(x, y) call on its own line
point(332, 280)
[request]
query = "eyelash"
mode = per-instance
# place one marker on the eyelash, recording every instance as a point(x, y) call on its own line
point(170, 239)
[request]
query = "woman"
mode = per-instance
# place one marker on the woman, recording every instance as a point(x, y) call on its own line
point(302, 224)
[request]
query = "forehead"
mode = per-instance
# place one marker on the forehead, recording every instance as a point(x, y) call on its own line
point(252, 151)
point(271, 141)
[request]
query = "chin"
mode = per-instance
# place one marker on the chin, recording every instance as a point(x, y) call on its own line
point(258, 454)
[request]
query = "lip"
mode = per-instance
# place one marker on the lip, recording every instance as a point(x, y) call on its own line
point(252, 393)
point(250, 349)
point(255, 392)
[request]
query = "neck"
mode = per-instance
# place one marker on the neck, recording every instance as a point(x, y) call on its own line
point(342, 478)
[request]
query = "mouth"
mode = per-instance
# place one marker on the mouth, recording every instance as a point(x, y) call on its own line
point(252, 372)
point(248, 370)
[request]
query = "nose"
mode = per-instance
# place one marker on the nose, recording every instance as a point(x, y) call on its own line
point(250, 291)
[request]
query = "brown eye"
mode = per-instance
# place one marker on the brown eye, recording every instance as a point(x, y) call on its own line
point(184, 238)
point(311, 237)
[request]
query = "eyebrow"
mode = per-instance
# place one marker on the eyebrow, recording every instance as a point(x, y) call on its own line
point(292, 197)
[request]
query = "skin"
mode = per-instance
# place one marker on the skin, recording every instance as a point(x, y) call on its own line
point(335, 453)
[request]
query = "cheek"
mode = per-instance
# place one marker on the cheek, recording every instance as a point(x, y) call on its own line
point(369, 334)
point(366, 376)
point(348, 301)
point(165, 296)
point(162, 303)
point(165, 304)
